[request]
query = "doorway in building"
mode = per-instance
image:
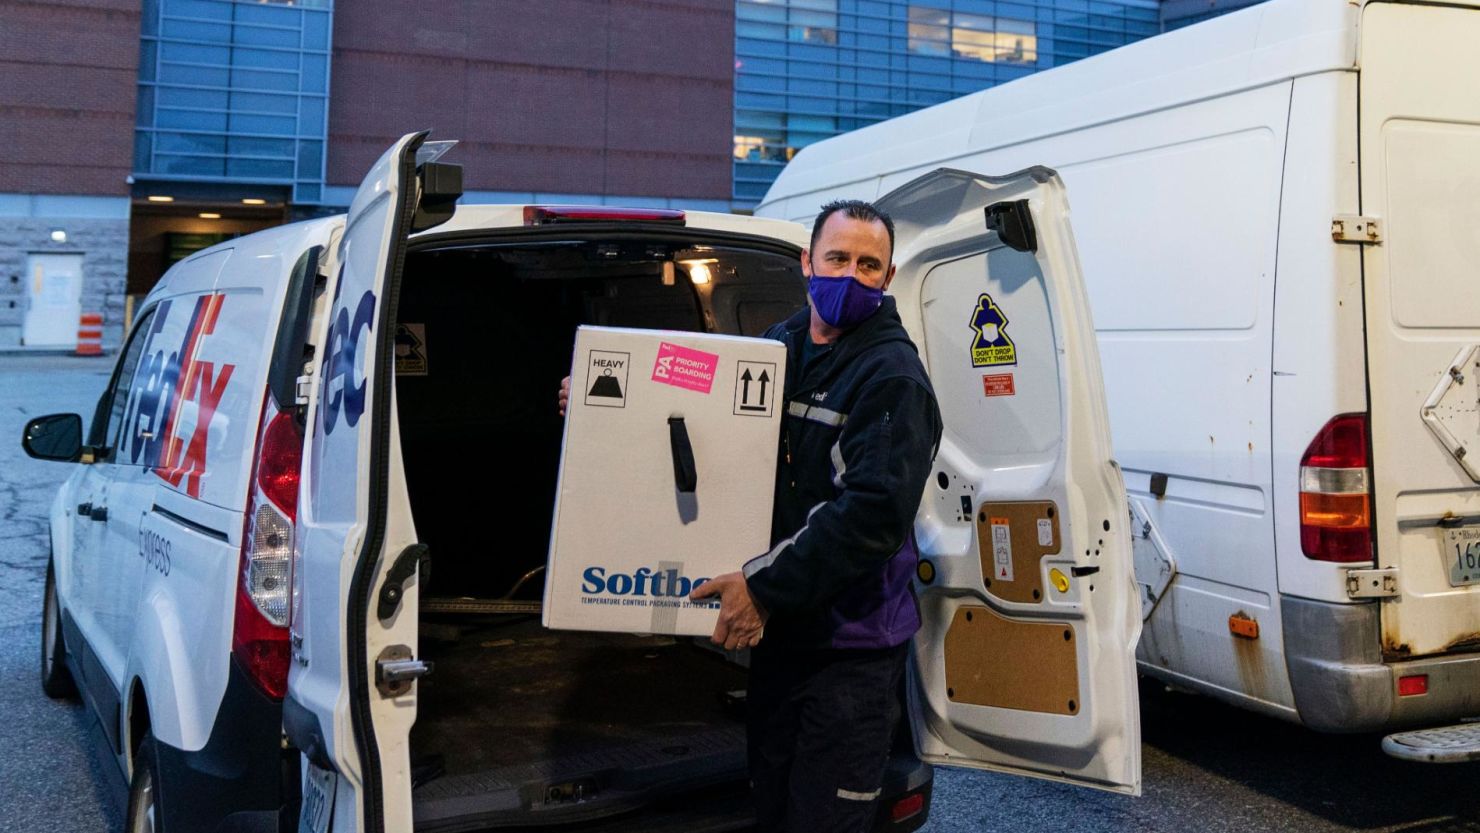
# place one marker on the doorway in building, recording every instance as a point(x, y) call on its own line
point(53, 300)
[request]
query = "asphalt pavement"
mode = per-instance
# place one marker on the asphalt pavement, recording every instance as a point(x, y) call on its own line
point(1207, 767)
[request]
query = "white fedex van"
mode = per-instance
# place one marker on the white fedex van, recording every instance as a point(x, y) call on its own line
point(324, 468)
point(1268, 210)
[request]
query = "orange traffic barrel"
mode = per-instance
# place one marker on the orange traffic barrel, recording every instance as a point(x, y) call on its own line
point(90, 334)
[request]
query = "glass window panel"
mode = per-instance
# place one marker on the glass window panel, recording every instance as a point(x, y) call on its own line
point(268, 14)
point(144, 109)
point(750, 190)
point(310, 158)
point(190, 119)
point(148, 55)
point(750, 29)
point(759, 47)
point(812, 69)
point(816, 124)
point(764, 12)
point(260, 147)
point(762, 65)
point(759, 100)
point(818, 5)
point(185, 74)
point(195, 30)
point(311, 116)
point(308, 192)
point(1017, 10)
point(264, 59)
point(750, 148)
point(276, 125)
point(759, 83)
point(263, 36)
point(185, 97)
point(265, 102)
point(807, 86)
point(149, 18)
point(315, 30)
point(257, 79)
point(315, 73)
point(929, 31)
point(759, 120)
point(143, 155)
point(194, 165)
point(197, 53)
point(196, 143)
point(259, 168)
point(209, 9)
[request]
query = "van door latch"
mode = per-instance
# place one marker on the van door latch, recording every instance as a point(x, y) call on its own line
point(1372, 584)
point(396, 670)
point(1356, 228)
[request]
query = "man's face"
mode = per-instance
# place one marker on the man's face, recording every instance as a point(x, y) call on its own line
point(849, 246)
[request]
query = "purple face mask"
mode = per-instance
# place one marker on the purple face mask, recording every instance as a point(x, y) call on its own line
point(843, 301)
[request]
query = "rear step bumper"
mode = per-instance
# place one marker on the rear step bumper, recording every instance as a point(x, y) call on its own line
point(1341, 684)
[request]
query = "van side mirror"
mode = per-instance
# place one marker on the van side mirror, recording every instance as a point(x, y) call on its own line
point(54, 437)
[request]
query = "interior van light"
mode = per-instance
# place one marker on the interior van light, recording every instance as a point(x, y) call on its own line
point(253, 201)
point(209, 215)
point(160, 198)
point(699, 272)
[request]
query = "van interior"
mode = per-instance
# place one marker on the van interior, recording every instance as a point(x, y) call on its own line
point(520, 724)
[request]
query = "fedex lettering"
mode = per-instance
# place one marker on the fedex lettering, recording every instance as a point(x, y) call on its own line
point(644, 582)
point(343, 391)
point(166, 381)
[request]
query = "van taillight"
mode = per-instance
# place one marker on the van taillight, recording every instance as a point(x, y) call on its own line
point(1335, 498)
point(260, 633)
point(907, 807)
point(544, 215)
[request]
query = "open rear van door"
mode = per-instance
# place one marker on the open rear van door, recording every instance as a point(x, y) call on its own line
point(1025, 659)
point(351, 689)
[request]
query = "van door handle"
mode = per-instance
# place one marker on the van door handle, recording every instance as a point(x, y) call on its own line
point(99, 513)
point(84, 509)
point(685, 472)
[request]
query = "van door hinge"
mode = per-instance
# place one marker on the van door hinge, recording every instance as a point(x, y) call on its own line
point(302, 386)
point(396, 669)
point(1356, 228)
point(1372, 584)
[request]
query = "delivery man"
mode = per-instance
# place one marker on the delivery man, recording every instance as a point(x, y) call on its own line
point(833, 596)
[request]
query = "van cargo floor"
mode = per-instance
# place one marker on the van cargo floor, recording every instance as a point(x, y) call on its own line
point(527, 725)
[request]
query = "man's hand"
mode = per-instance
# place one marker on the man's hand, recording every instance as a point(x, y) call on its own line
point(741, 622)
point(564, 394)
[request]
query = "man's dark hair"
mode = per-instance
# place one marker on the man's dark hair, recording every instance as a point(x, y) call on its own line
point(854, 210)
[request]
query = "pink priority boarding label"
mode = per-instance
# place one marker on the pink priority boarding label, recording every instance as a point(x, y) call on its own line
point(685, 368)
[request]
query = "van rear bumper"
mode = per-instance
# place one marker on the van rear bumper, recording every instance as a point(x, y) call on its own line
point(1341, 684)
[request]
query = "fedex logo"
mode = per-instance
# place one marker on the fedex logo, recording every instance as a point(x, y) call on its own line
point(171, 383)
point(344, 383)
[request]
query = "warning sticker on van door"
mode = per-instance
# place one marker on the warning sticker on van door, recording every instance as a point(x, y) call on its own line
point(411, 349)
point(1001, 549)
point(991, 346)
point(606, 378)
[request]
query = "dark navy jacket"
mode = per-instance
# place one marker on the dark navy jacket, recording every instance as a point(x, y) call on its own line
point(858, 439)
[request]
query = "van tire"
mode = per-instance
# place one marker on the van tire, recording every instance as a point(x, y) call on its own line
point(143, 814)
point(56, 679)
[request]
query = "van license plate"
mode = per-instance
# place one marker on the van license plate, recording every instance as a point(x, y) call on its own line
point(1462, 552)
point(318, 800)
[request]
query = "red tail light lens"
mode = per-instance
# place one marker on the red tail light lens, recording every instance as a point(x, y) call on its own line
point(907, 807)
point(1335, 493)
point(543, 215)
point(1413, 685)
point(259, 638)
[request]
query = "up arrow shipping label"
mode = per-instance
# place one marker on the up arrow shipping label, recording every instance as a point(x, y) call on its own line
point(755, 391)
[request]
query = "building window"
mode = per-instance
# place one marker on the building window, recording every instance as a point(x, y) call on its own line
point(812, 21)
point(972, 36)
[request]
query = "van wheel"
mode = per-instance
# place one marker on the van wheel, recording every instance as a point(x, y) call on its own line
point(143, 791)
point(56, 680)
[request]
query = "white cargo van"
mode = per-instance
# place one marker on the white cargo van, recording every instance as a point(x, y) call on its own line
point(1271, 213)
point(324, 470)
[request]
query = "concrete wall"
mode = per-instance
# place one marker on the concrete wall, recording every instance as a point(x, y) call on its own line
point(625, 97)
point(96, 227)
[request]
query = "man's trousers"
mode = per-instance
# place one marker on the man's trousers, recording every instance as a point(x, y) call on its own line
point(820, 726)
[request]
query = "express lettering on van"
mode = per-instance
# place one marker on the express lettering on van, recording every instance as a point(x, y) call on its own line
point(166, 381)
point(344, 391)
point(645, 587)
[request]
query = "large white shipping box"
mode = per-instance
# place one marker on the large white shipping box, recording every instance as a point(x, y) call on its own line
point(667, 474)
